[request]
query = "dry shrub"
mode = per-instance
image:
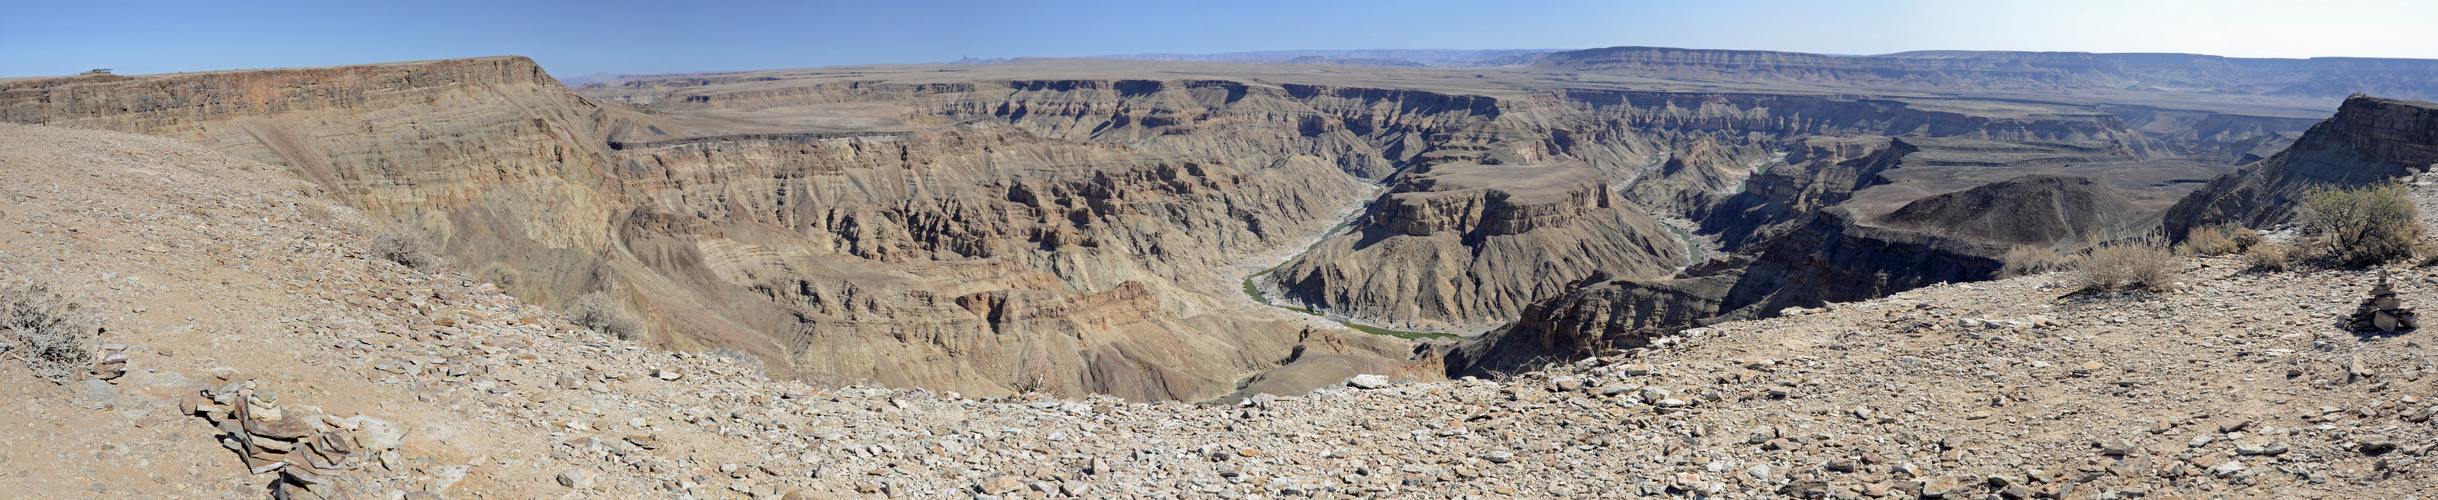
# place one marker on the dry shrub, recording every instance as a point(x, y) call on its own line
point(2246, 238)
point(45, 329)
point(755, 365)
point(2209, 241)
point(315, 212)
point(2269, 257)
point(595, 311)
point(2139, 263)
point(403, 245)
point(2030, 260)
point(2363, 226)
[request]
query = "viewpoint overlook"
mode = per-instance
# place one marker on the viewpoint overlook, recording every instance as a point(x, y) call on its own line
point(1613, 272)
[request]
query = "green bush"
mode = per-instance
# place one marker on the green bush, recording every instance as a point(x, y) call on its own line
point(2363, 226)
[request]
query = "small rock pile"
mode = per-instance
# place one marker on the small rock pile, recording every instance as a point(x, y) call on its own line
point(310, 451)
point(2382, 310)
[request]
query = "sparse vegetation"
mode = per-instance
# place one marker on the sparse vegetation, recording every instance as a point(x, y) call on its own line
point(404, 245)
point(597, 312)
point(46, 330)
point(747, 360)
point(2210, 241)
point(2141, 263)
point(1693, 248)
point(1398, 333)
point(2031, 260)
point(2269, 257)
point(2246, 238)
point(316, 212)
point(2363, 226)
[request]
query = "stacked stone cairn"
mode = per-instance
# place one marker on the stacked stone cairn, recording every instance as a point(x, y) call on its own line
point(2383, 310)
point(310, 452)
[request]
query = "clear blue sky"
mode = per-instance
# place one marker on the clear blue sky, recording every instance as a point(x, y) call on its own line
point(51, 37)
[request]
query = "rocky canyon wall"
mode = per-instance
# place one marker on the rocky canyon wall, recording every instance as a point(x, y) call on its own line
point(2370, 140)
point(980, 258)
point(1074, 233)
point(491, 155)
point(1463, 247)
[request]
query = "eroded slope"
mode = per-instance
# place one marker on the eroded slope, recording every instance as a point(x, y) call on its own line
point(1463, 247)
point(2369, 140)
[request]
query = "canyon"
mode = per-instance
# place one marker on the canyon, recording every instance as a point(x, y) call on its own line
point(1080, 226)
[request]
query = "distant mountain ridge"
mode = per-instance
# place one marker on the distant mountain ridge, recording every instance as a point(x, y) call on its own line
point(2330, 78)
point(1436, 58)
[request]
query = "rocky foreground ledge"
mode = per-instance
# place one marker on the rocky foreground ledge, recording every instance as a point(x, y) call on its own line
point(228, 296)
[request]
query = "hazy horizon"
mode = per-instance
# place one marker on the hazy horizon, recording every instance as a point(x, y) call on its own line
point(626, 37)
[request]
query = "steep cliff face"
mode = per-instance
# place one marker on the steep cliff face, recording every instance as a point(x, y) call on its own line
point(1464, 247)
point(1598, 313)
point(2036, 209)
point(1829, 258)
point(2369, 140)
point(1817, 259)
point(399, 139)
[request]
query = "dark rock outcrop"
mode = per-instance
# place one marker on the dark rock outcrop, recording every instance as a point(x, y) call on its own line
point(1816, 260)
point(2370, 140)
point(2037, 209)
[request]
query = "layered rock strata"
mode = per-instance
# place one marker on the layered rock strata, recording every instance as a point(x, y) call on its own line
point(1466, 247)
point(964, 229)
point(972, 257)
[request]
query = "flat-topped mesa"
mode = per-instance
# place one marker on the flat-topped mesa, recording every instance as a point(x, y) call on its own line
point(2056, 73)
point(174, 102)
point(1492, 199)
